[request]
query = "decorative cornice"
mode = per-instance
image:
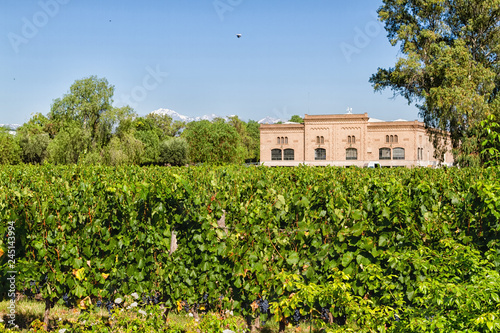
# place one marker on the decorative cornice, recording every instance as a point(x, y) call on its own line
point(319, 128)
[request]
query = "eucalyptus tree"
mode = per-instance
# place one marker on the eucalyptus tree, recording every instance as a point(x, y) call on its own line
point(448, 66)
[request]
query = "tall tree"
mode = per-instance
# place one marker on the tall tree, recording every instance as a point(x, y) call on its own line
point(33, 138)
point(9, 149)
point(213, 142)
point(449, 67)
point(85, 104)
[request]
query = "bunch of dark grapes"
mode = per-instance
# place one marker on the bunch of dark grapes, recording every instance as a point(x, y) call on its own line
point(66, 299)
point(263, 305)
point(296, 317)
point(186, 306)
point(325, 315)
point(109, 306)
point(205, 297)
point(155, 299)
point(98, 303)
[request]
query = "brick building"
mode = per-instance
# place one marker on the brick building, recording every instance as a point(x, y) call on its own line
point(347, 139)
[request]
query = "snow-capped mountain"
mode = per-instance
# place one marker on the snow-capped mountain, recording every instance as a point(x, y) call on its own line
point(270, 120)
point(177, 116)
point(172, 114)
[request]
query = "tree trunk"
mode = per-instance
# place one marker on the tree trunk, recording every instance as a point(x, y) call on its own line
point(48, 305)
point(165, 314)
point(282, 326)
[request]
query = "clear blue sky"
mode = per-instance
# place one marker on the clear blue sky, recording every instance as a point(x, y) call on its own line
point(294, 57)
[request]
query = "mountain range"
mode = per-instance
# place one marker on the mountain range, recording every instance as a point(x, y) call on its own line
point(177, 116)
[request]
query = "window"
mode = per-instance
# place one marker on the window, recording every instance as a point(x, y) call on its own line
point(322, 139)
point(288, 155)
point(398, 154)
point(392, 138)
point(317, 140)
point(276, 155)
point(384, 154)
point(420, 153)
point(286, 140)
point(351, 154)
point(353, 139)
point(320, 154)
point(348, 139)
point(387, 139)
point(282, 140)
point(279, 141)
point(395, 138)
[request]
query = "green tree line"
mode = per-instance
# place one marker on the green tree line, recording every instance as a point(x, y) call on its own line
point(83, 127)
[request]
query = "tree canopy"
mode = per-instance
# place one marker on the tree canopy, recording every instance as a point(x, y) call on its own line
point(83, 127)
point(449, 64)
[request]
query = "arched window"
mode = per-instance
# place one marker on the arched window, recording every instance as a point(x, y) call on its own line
point(288, 155)
point(317, 140)
point(392, 138)
point(353, 139)
point(286, 140)
point(322, 139)
point(282, 140)
point(278, 141)
point(398, 154)
point(348, 139)
point(320, 154)
point(384, 153)
point(276, 154)
point(351, 154)
point(395, 138)
point(387, 139)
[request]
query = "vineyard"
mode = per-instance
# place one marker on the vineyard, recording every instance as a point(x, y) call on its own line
point(396, 250)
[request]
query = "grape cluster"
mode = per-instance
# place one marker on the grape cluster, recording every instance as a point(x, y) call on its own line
point(325, 315)
point(109, 306)
point(205, 297)
point(151, 300)
point(66, 299)
point(186, 306)
point(263, 305)
point(98, 303)
point(296, 316)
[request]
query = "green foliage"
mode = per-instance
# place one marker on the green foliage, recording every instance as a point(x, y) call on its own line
point(297, 119)
point(125, 149)
point(69, 144)
point(449, 65)
point(368, 244)
point(86, 103)
point(151, 144)
point(9, 148)
point(215, 323)
point(174, 152)
point(213, 142)
point(490, 153)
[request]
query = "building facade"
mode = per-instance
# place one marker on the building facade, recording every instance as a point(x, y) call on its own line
point(348, 139)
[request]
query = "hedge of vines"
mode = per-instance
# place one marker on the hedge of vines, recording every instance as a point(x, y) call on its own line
point(96, 233)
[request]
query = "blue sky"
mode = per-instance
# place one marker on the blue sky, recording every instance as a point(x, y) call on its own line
point(294, 57)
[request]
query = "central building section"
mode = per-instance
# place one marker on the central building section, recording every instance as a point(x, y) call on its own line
point(331, 137)
point(348, 139)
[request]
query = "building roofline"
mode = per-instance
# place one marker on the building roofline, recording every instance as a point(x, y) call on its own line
point(336, 116)
point(273, 126)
